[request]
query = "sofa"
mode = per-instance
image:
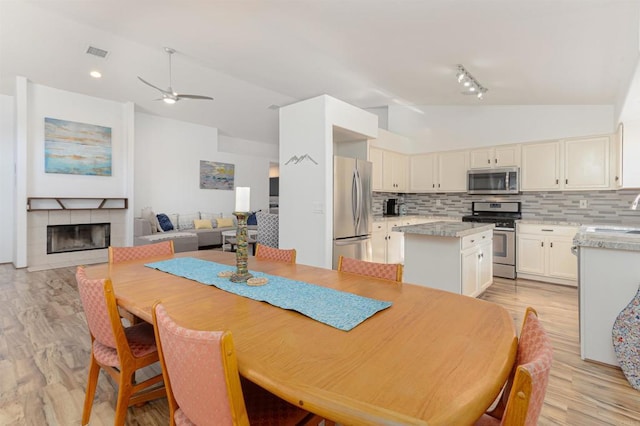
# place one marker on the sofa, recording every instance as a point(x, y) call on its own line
point(190, 232)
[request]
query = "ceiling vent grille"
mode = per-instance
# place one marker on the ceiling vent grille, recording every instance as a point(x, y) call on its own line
point(101, 53)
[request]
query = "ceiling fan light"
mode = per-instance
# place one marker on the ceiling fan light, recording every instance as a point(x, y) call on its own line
point(95, 74)
point(169, 101)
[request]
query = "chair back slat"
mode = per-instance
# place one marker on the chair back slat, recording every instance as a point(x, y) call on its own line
point(95, 308)
point(280, 255)
point(388, 271)
point(194, 365)
point(124, 254)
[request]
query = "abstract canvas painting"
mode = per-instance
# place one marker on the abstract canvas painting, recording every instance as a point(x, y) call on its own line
point(76, 148)
point(216, 175)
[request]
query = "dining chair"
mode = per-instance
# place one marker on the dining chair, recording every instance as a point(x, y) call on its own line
point(387, 271)
point(203, 384)
point(270, 253)
point(117, 350)
point(123, 254)
point(523, 395)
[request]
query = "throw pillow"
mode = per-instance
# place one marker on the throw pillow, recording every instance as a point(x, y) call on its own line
point(186, 220)
point(202, 224)
point(212, 218)
point(225, 222)
point(252, 219)
point(165, 222)
point(148, 214)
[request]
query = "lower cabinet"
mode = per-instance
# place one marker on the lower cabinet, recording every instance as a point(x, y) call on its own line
point(544, 253)
point(477, 268)
point(459, 265)
point(388, 246)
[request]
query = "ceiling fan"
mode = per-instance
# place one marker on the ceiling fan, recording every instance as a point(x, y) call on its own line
point(170, 96)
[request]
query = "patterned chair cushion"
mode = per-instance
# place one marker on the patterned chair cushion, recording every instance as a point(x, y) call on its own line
point(388, 271)
point(268, 229)
point(123, 254)
point(280, 255)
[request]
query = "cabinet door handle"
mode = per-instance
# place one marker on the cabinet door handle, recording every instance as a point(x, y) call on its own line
point(495, 160)
point(473, 241)
point(547, 230)
point(551, 244)
point(557, 181)
point(488, 161)
point(433, 185)
point(617, 178)
point(541, 243)
point(566, 181)
point(438, 185)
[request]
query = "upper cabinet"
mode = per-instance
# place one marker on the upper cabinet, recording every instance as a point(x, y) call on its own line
point(571, 164)
point(586, 163)
point(493, 157)
point(439, 172)
point(389, 170)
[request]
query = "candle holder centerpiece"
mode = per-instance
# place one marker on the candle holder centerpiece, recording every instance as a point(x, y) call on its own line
point(242, 214)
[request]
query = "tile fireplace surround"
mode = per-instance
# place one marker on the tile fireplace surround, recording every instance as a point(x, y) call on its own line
point(37, 222)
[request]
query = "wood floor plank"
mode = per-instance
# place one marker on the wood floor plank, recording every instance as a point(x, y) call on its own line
point(44, 353)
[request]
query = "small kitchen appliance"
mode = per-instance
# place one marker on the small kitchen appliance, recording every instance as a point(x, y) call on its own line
point(391, 207)
point(503, 215)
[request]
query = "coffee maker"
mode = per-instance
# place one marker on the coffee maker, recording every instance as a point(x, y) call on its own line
point(390, 207)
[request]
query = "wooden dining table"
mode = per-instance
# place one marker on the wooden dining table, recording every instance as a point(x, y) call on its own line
point(432, 358)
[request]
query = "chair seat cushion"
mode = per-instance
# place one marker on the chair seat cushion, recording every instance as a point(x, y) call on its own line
point(181, 419)
point(141, 341)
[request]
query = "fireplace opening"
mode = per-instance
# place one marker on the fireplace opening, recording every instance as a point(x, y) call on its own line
point(67, 238)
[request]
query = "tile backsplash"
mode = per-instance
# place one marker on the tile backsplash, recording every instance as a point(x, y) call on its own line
point(603, 207)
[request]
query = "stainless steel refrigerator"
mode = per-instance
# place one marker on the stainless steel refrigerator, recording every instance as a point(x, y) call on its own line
point(352, 210)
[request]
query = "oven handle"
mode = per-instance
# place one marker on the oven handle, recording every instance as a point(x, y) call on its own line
point(504, 229)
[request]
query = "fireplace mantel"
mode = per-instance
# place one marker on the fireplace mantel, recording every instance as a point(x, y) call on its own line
point(71, 203)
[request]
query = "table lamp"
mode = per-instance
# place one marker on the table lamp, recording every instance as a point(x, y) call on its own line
point(241, 213)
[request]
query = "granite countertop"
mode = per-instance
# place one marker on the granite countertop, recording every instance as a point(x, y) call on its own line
point(417, 216)
point(547, 222)
point(609, 237)
point(445, 229)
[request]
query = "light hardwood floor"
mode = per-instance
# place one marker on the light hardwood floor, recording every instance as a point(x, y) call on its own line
point(44, 353)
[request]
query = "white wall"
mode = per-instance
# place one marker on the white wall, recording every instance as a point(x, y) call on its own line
point(7, 182)
point(306, 188)
point(444, 128)
point(44, 102)
point(167, 167)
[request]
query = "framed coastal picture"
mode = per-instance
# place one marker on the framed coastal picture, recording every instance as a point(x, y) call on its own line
point(216, 175)
point(76, 148)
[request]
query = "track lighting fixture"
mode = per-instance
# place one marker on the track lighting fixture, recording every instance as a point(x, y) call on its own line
point(471, 85)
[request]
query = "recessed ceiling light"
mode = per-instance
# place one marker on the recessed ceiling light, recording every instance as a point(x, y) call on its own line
point(95, 74)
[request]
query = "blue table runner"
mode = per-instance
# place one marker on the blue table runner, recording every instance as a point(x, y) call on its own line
point(336, 308)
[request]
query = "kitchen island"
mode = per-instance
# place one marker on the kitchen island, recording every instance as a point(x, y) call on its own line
point(609, 276)
point(451, 256)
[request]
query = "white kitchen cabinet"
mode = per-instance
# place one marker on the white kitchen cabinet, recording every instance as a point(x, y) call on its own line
point(379, 241)
point(540, 169)
point(586, 163)
point(439, 172)
point(477, 268)
point(389, 170)
point(544, 253)
point(462, 265)
point(452, 171)
point(387, 245)
point(423, 176)
point(570, 164)
point(496, 156)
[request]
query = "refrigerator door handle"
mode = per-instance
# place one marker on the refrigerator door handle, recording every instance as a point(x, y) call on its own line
point(358, 201)
point(354, 198)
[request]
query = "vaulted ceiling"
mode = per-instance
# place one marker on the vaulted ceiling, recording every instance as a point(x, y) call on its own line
point(253, 54)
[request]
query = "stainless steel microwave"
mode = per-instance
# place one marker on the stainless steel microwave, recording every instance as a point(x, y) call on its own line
point(493, 181)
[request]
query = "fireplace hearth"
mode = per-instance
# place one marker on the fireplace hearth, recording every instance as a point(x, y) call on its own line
point(80, 237)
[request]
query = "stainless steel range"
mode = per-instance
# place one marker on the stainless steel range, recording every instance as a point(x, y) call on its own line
point(504, 216)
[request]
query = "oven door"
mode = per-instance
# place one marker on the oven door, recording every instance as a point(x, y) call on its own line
point(504, 244)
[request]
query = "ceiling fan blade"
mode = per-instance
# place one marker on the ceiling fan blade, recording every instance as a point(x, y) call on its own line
point(195, 97)
point(155, 87)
